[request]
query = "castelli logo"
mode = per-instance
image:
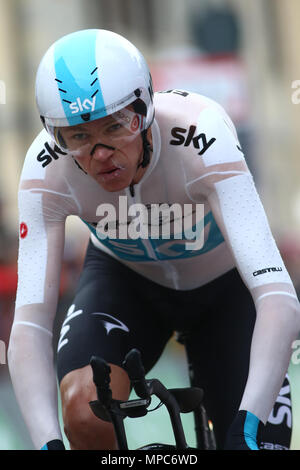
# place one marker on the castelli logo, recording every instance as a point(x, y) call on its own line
point(23, 230)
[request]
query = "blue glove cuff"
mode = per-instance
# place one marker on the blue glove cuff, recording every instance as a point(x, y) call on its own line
point(242, 434)
point(250, 430)
point(55, 444)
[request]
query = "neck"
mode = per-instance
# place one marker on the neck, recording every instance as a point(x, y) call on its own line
point(141, 170)
point(139, 175)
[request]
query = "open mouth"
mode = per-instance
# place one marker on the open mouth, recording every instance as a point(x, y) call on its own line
point(110, 173)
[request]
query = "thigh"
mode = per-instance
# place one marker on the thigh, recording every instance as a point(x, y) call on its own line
point(108, 317)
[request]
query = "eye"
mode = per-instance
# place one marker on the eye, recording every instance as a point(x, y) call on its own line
point(114, 127)
point(80, 136)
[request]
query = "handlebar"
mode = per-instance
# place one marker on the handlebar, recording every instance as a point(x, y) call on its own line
point(109, 409)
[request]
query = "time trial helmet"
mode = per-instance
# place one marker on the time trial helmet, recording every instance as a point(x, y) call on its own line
point(90, 74)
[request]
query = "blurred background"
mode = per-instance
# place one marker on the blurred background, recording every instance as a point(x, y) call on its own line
point(244, 54)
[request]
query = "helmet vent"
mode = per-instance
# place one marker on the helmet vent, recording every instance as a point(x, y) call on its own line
point(60, 89)
point(94, 81)
point(63, 91)
point(95, 93)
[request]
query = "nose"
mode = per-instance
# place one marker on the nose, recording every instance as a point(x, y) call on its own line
point(102, 151)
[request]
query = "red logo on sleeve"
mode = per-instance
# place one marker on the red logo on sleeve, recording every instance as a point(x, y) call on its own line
point(23, 230)
point(136, 123)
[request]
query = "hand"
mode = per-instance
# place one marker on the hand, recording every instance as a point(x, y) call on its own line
point(242, 434)
point(56, 444)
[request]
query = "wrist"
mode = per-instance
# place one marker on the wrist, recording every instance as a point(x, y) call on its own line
point(251, 423)
point(55, 444)
point(242, 434)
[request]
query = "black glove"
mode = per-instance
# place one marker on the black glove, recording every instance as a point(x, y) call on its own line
point(242, 434)
point(56, 444)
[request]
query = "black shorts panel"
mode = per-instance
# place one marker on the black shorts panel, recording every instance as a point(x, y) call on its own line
point(115, 317)
point(115, 309)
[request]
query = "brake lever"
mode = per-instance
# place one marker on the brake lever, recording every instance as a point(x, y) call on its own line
point(136, 372)
point(101, 378)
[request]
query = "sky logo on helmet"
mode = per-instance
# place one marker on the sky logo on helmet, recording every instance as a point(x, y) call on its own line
point(85, 105)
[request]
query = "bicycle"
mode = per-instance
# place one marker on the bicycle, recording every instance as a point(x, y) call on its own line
point(177, 401)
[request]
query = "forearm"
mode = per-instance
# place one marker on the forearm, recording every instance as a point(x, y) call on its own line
point(30, 360)
point(276, 327)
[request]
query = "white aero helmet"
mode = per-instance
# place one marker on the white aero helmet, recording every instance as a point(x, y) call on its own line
point(90, 74)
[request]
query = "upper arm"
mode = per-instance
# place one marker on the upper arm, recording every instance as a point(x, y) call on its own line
point(222, 175)
point(41, 247)
point(45, 200)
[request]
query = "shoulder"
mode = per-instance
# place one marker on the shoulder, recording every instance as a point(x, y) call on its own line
point(182, 103)
point(40, 156)
point(47, 171)
point(179, 110)
point(196, 125)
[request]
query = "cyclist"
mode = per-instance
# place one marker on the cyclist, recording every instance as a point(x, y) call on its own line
point(111, 146)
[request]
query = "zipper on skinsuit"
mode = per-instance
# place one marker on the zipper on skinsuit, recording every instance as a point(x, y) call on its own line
point(167, 266)
point(135, 199)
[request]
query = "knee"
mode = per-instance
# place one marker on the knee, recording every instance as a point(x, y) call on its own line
point(83, 429)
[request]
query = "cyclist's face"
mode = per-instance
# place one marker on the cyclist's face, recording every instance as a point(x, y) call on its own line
point(108, 149)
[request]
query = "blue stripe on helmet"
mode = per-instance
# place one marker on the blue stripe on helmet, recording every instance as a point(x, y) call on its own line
point(77, 75)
